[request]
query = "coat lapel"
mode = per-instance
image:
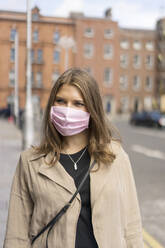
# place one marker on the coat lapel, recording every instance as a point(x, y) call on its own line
point(58, 174)
point(98, 178)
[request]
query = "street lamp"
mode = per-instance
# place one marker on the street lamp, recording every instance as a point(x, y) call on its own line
point(66, 42)
point(28, 134)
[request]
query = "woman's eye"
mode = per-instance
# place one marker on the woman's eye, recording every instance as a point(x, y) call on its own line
point(59, 100)
point(79, 104)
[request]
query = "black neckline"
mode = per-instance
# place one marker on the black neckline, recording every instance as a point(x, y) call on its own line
point(73, 154)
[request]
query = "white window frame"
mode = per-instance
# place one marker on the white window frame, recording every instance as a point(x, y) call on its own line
point(124, 44)
point(39, 56)
point(56, 36)
point(149, 87)
point(89, 32)
point(55, 76)
point(137, 63)
point(35, 36)
point(108, 51)
point(109, 82)
point(108, 33)
point(12, 54)
point(88, 50)
point(123, 80)
point(149, 62)
point(39, 80)
point(124, 101)
point(54, 60)
point(12, 78)
point(13, 32)
point(149, 45)
point(123, 60)
point(138, 83)
point(89, 70)
point(137, 45)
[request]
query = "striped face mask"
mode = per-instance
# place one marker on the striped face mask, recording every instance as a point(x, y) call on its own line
point(69, 121)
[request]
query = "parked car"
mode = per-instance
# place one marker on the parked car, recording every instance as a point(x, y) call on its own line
point(5, 112)
point(144, 118)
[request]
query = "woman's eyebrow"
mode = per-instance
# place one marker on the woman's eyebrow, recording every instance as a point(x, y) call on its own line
point(78, 100)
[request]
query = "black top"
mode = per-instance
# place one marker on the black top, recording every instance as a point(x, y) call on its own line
point(84, 235)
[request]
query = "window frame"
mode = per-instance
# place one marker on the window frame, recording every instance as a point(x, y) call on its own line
point(90, 48)
point(108, 83)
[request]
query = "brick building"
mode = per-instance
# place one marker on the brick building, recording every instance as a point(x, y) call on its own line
point(137, 75)
point(122, 60)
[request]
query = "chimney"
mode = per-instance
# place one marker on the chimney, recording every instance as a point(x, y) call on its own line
point(108, 13)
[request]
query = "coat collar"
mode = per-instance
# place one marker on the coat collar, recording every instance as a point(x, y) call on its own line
point(58, 174)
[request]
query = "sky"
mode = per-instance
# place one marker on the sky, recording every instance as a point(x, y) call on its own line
point(141, 14)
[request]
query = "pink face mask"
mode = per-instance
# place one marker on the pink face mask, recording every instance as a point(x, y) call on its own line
point(69, 121)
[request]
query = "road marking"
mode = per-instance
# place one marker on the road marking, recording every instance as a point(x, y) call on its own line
point(150, 133)
point(148, 152)
point(146, 246)
point(150, 240)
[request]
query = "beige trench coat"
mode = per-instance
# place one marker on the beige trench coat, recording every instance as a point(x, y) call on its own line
point(39, 192)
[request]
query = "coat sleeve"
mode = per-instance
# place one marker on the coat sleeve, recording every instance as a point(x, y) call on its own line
point(133, 227)
point(20, 210)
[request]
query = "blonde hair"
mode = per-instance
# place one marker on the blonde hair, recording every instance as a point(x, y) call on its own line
point(100, 130)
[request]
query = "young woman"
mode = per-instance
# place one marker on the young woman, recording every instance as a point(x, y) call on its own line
point(105, 212)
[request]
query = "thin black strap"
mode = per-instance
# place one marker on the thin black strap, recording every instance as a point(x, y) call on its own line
point(63, 210)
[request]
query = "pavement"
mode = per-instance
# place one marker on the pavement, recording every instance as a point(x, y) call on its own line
point(10, 148)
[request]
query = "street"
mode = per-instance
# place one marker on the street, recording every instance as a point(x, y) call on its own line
point(146, 148)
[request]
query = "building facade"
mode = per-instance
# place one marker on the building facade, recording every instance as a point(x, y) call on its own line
point(123, 61)
point(137, 77)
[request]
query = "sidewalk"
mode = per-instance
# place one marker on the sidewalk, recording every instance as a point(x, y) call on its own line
point(10, 147)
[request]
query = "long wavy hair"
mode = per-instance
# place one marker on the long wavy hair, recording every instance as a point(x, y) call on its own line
point(100, 130)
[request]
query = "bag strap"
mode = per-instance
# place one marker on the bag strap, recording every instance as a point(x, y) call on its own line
point(64, 209)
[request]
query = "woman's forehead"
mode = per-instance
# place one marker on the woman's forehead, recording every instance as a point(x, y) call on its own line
point(67, 90)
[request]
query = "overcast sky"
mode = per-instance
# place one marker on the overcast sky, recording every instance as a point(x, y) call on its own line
point(128, 13)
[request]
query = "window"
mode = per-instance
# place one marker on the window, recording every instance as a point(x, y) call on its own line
point(88, 50)
point(32, 56)
point(56, 37)
point(108, 76)
point(36, 108)
point(32, 78)
point(35, 36)
point(124, 104)
point(35, 16)
point(88, 69)
point(123, 82)
point(148, 103)
point(89, 32)
point(12, 78)
point(124, 60)
point(149, 61)
point(108, 51)
point(39, 56)
point(12, 54)
point(148, 83)
point(149, 45)
point(124, 44)
point(136, 83)
point(55, 76)
point(12, 34)
point(56, 56)
point(39, 79)
point(108, 33)
point(136, 61)
point(137, 45)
